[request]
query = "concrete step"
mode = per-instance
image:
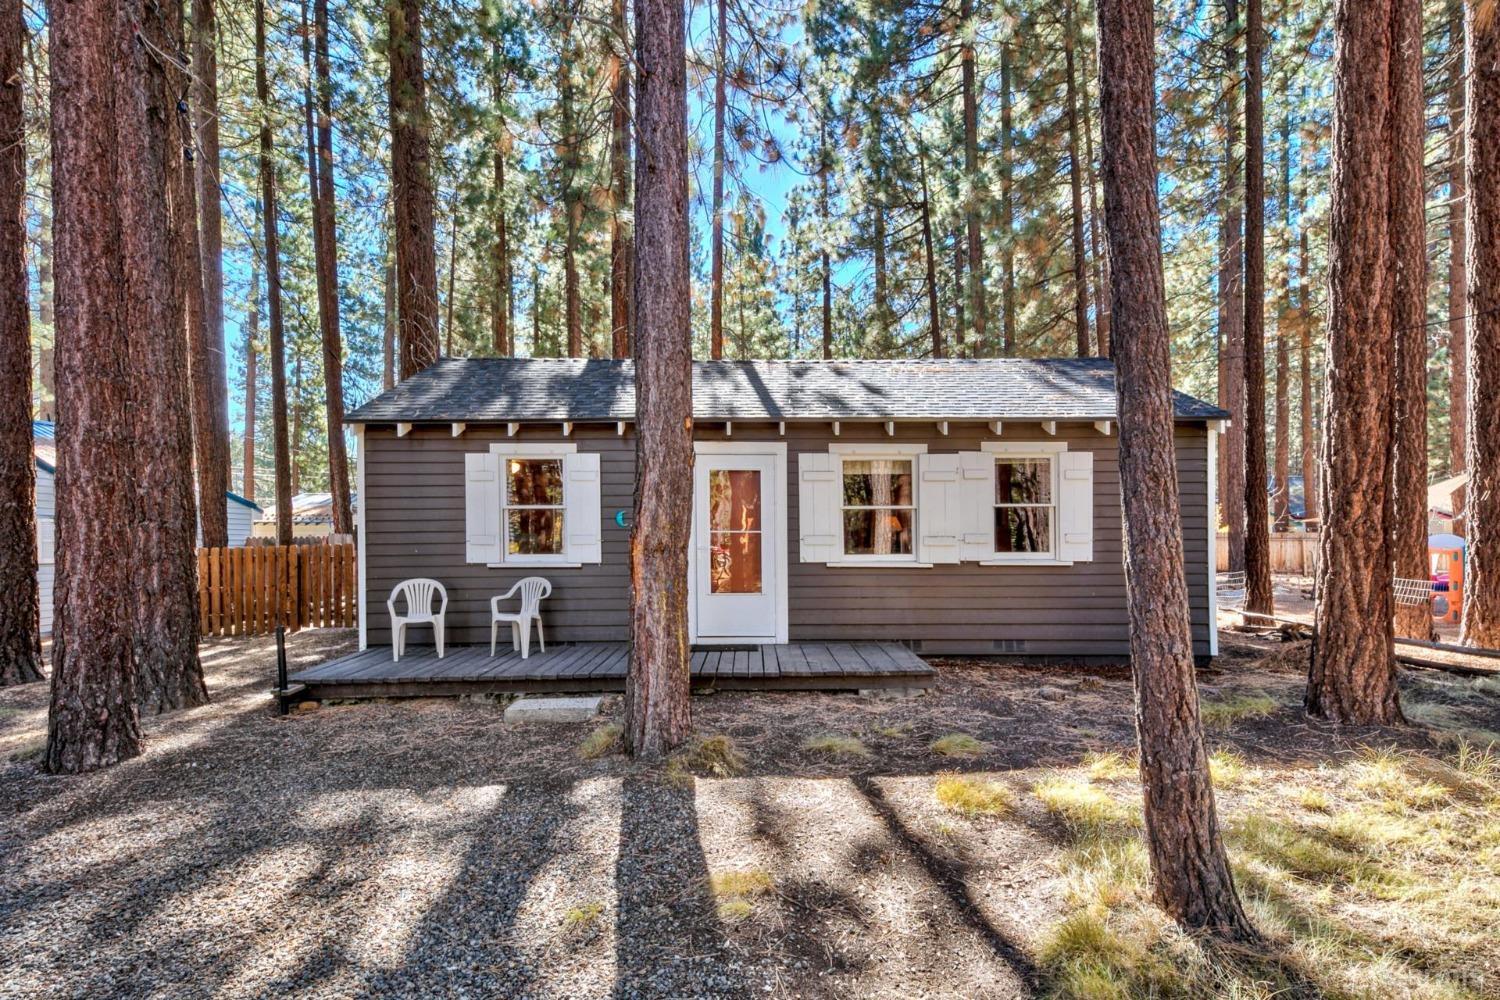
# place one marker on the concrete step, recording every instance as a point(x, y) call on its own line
point(580, 709)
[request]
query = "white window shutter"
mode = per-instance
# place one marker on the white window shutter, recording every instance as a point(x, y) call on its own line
point(481, 507)
point(939, 509)
point(818, 506)
point(976, 499)
point(584, 513)
point(46, 541)
point(1075, 505)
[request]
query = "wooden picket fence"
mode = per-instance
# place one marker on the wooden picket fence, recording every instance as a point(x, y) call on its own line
point(1294, 553)
point(249, 590)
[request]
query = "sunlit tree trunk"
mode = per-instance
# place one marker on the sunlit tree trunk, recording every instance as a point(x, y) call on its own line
point(1482, 140)
point(1458, 265)
point(1352, 678)
point(1190, 871)
point(658, 713)
point(621, 248)
point(1232, 304)
point(411, 185)
point(1007, 208)
point(1258, 595)
point(271, 244)
point(20, 636)
point(973, 179)
point(252, 355)
point(716, 237)
point(1408, 234)
point(1075, 185)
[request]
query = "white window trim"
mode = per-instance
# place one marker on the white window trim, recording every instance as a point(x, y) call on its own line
point(506, 451)
point(879, 451)
point(1049, 450)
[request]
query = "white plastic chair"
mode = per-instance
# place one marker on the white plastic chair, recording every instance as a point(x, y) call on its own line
point(532, 589)
point(418, 594)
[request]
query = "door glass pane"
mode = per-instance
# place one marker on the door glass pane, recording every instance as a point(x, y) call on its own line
point(534, 532)
point(1023, 529)
point(734, 499)
point(877, 531)
point(534, 482)
point(877, 481)
point(734, 562)
point(1023, 480)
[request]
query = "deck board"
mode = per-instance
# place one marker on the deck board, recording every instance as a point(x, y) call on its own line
point(603, 667)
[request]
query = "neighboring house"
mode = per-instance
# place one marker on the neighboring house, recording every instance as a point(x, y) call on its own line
point(241, 513)
point(312, 516)
point(1441, 506)
point(965, 507)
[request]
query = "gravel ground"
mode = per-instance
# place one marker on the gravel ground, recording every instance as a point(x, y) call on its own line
point(424, 848)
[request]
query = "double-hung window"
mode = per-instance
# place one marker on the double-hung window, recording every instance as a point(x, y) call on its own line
point(1025, 506)
point(534, 506)
point(879, 510)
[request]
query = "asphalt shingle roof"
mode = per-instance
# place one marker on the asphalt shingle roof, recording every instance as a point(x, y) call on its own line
point(530, 389)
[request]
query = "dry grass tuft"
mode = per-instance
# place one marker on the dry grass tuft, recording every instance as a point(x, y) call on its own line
point(580, 917)
point(1225, 710)
point(1227, 768)
point(602, 741)
point(971, 796)
point(1111, 766)
point(958, 745)
point(836, 745)
point(1087, 813)
point(712, 755)
point(735, 892)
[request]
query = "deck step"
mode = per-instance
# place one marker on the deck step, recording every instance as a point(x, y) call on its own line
point(553, 709)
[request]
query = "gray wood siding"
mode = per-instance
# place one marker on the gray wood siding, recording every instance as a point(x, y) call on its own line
point(414, 525)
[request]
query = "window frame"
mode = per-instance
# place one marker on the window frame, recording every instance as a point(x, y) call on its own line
point(880, 452)
point(1013, 451)
point(559, 452)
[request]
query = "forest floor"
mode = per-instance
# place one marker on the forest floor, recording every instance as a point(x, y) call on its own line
point(982, 840)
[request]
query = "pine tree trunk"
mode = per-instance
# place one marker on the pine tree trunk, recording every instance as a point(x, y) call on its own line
point(500, 329)
point(1408, 234)
point(824, 214)
point(716, 277)
point(20, 634)
point(46, 370)
point(452, 271)
point(1098, 259)
point(1190, 870)
point(621, 250)
point(252, 353)
point(1007, 208)
point(1075, 186)
point(1232, 307)
point(658, 713)
point(1282, 511)
point(1352, 678)
point(272, 251)
point(1308, 429)
point(1458, 265)
point(934, 314)
point(211, 450)
point(210, 373)
point(411, 184)
point(388, 340)
point(973, 179)
point(96, 81)
point(1482, 140)
point(1258, 595)
point(958, 299)
point(161, 274)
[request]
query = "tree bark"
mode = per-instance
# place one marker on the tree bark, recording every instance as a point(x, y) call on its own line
point(1075, 186)
point(326, 258)
point(1282, 407)
point(158, 239)
point(20, 630)
point(934, 314)
point(1458, 265)
point(716, 237)
point(1232, 306)
point(1308, 437)
point(97, 83)
point(621, 249)
point(210, 373)
point(252, 353)
point(658, 713)
point(1007, 208)
point(973, 179)
point(271, 244)
point(825, 168)
point(1352, 678)
point(1408, 236)
point(1098, 259)
point(411, 183)
point(958, 285)
point(1190, 871)
point(1258, 595)
point(1481, 625)
point(388, 340)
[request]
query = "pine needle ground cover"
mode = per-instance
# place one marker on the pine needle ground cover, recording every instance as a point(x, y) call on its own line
point(425, 847)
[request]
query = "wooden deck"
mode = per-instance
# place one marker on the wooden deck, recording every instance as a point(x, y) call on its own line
point(601, 666)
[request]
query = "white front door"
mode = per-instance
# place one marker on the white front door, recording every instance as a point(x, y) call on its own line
point(736, 545)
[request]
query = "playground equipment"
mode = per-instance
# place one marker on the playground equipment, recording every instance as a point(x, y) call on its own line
point(1445, 554)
